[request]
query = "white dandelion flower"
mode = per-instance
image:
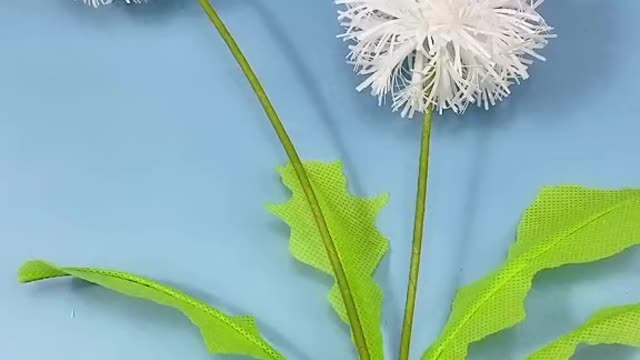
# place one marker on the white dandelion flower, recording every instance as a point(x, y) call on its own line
point(96, 3)
point(442, 53)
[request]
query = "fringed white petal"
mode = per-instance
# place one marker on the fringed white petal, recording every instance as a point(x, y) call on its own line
point(445, 53)
point(97, 3)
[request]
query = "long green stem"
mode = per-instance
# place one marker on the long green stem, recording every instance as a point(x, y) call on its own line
point(418, 227)
point(338, 270)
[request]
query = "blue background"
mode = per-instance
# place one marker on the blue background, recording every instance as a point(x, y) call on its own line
point(130, 140)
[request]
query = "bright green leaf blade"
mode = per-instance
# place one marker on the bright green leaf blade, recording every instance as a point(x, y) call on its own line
point(613, 325)
point(360, 245)
point(565, 225)
point(223, 334)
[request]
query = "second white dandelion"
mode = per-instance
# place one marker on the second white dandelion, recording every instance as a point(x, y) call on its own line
point(442, 53)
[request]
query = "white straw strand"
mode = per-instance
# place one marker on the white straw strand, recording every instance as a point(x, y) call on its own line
point(97, 3)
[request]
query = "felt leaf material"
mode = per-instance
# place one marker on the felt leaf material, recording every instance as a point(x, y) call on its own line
point(612, 325)
point(564, 225)
point(223, 334)
point(359, 244)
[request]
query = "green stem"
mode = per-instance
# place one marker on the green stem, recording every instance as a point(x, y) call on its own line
point(334, 258)
point(418, 227)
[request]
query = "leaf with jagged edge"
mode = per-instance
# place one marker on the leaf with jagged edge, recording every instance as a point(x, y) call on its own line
point(359, 244)
point(611, 325)
point(223, 334)
point(565, 225)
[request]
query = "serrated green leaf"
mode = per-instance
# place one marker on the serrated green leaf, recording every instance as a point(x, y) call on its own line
point(360, 245)
point(612, 325)
point(565, 225)
point(223, 334)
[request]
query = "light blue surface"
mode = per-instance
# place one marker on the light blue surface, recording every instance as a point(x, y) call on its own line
point(130, 140)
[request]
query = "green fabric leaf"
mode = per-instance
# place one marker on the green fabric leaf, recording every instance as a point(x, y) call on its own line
point(360, 245)
point(565, 225)
point(612, 325)
point(223, 334)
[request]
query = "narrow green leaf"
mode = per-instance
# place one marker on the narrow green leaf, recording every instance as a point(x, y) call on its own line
point(223, 334)
point(565, 225)
point(360, 245)
point(612, 325)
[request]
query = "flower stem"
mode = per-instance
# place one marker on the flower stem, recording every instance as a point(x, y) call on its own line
point(418, 227)
point(332, 252)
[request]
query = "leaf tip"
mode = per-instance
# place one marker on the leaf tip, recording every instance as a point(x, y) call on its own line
point(338, 164)
point(34, 270)
point(383, 198)
point(280, 169)
point(275, 209)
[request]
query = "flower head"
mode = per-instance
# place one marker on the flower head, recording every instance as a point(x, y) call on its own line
point(442, 53)
point(96, 3)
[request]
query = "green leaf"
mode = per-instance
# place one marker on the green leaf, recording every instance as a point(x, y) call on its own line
point(360, 245)
point(612, 325)
point(223, 334)
point(565, 225)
